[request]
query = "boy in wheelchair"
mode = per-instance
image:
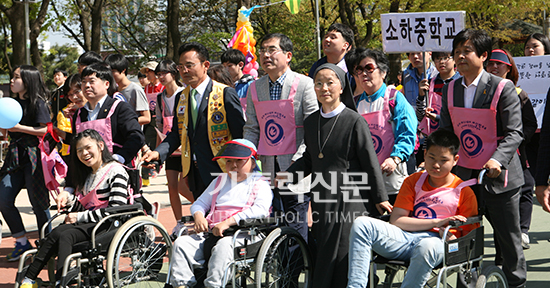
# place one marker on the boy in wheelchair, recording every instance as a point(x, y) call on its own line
point(426, 203)
point(239, 194)
point(101, 182)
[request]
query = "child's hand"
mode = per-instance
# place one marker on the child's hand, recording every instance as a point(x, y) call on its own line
point(71, 218)
point(431, 116)
point(384, 206)
point(422, 87)
point(219, 229)
point(201, 225)
point(442, 223)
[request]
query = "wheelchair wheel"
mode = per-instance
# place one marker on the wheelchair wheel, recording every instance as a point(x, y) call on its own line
point(491, 277)
point(139, 254)
point(284, 261)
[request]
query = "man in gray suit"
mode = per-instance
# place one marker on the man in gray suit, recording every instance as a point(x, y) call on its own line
point(484, 111)
point(277, 105)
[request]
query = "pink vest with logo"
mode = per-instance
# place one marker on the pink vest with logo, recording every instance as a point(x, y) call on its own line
point(427, 126)
point(219, 214)
point(277, 123)
point(439, 203)
point(90, 200)
point(102, 126)
point(381, 129)
point(476, 128)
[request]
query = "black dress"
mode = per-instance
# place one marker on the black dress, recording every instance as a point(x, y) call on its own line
point(338, 193)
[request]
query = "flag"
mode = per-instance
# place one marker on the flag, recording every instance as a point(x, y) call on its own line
point(293, 6)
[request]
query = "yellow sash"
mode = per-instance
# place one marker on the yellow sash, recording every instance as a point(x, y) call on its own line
point(218, 129)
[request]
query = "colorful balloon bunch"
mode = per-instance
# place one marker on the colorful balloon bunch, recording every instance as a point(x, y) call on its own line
point(244, 41)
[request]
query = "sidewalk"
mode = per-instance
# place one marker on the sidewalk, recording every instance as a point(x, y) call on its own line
point(538, 257)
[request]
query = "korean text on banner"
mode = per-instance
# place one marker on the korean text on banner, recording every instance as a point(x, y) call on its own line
point(427, 31)
point(534, 78)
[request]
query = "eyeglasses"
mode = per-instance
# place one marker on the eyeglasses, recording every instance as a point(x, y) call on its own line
point(269, 50)
point(443, 59)
point(186, 66)
point(369, 68)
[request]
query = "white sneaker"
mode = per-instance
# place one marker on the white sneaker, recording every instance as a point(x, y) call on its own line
point(179, 226)
point(525, 241)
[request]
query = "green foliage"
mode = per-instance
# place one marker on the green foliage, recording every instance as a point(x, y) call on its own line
point(213, 42)
point(62, 57)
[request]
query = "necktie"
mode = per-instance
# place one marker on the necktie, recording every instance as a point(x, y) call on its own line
point(194, 106)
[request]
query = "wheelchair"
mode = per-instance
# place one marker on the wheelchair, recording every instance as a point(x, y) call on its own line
point(276, 256)
point(463, 255)
point(134, 250)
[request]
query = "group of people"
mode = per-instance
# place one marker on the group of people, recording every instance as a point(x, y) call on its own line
point(360, 140)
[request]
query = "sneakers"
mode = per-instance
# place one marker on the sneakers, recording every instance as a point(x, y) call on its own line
point(29, 284)
point(176, 231)
point(145, 182)
point(19, 249)
point(525, 241)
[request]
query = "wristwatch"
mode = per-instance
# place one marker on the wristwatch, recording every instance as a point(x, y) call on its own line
point(397, 161)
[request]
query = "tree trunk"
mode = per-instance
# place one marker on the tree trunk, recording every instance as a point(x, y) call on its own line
point(16, 17)
point(173, 38)
point(97, 14)
point(36, 26)
point(84, 17)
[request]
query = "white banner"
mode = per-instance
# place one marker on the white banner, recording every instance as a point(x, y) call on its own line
point(427, 31)
point(534, 78)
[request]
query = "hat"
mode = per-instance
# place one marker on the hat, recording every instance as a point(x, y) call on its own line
point(237, 149)
point(500, 56)
point(151, 65)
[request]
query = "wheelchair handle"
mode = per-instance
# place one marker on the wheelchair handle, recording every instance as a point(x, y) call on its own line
point(469, 220)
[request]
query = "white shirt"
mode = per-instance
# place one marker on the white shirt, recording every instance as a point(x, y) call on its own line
point(334, 112)
point(236, 194)
point(92, 114)
point(470, 91)
point(200, 91)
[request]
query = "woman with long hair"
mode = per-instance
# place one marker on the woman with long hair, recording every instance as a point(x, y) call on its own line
point(167, 73)
point(100, 182)
point(22, 165)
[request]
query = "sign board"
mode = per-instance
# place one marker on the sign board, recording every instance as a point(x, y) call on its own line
point(426, 31)
point(534, 78)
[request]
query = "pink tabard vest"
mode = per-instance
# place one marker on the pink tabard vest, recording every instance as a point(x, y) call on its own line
point(427, 126)
point(218, 214)
point(439, 203)
point(90, 201)
point(476, 128)
point(102, 126)
point(277, 123)
point(381, 129)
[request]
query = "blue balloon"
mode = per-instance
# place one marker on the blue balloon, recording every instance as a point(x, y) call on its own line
point(10, 112)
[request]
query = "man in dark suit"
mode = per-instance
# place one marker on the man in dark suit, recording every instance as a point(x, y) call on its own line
point(125, 131)
point(473, 106)
point(207, 115)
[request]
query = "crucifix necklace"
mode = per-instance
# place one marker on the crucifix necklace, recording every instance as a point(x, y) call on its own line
point(321, 156)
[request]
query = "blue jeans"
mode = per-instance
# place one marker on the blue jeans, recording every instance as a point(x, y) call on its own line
point(424, 250)
point(10, 186)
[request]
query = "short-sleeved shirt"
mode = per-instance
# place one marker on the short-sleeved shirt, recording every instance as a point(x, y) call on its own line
point(41, 115)
point(467, 203)
point(135, 96)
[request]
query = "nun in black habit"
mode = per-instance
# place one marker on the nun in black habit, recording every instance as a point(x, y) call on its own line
point(346, 177)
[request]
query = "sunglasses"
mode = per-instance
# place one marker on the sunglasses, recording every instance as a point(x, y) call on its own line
point(369, 68)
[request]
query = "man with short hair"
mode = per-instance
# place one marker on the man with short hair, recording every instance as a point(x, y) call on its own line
point(484, 111)
point(337, 42)
point(234, 61)
point(134, 94)
point(88, 58)
point(207, 115)
point(279, 102)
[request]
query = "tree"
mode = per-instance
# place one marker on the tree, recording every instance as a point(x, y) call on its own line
point(62, 57)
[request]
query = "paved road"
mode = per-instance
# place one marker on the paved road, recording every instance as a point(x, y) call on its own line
point(538, 257)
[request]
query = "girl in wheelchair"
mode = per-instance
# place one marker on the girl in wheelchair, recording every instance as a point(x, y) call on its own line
point(101, 182)
point(241, 193)
point(426, 203)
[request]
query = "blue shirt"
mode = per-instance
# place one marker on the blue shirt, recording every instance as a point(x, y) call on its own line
point(242, 85)
point(404, 122)
point(276, 88)
point(411, 80)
